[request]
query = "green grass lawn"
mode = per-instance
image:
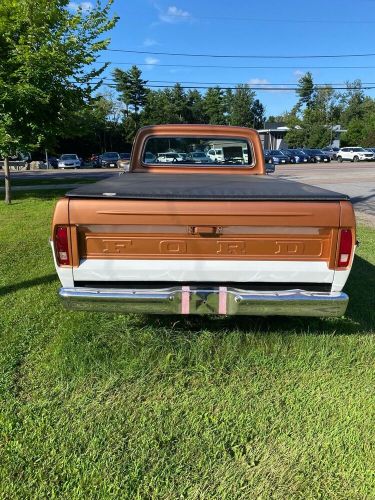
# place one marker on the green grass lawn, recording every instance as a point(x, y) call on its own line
point(127, 406)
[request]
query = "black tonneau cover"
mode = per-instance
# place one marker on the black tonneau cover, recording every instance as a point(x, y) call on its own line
point(151, 186)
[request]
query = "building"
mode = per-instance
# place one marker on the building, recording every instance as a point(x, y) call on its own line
point(273, 135)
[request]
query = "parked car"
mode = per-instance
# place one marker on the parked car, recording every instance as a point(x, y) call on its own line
point(18, 161)
point(68, 161)
point(270, 159)
point(291, 157)
point(95, 160)
point(124, 162)
point(317, 155)
point(53, 161)
point(354, 154)
point(216, 155)
point(149, 157)
point(300, 156)
point(331, 152)
point(303, 153)
point(276, 153)
point(371, 150)
point(198, 157)
point(170, 157)
point(109, 160)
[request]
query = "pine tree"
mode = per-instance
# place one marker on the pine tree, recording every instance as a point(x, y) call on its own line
point(306, 90)
point(242, 107)
point(215, 106)
point(132, 88)
point(258, 111)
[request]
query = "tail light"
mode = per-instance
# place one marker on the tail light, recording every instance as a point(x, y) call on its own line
point(345, 248)
point(62, 246)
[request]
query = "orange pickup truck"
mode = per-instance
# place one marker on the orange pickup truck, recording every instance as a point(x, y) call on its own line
point(187, 233)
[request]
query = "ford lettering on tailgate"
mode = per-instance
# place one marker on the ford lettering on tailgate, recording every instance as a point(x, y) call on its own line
point(150, 247)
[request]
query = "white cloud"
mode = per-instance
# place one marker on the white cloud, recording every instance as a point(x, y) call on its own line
point(151, 61)
point(174, 15)
point(257, 81)
point(281, 89)
point(149, 42)
point(298, 73)
point(84, 6)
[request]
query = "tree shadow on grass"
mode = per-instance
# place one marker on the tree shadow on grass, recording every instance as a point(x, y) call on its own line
point(359, 317)
point(42, 280)
point(43, 194)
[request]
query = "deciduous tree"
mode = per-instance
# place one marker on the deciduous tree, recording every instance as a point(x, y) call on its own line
point(46, 53)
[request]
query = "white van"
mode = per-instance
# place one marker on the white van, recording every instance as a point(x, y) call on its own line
point(216, 155)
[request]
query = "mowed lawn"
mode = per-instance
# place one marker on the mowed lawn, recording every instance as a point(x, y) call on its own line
point(127, 406)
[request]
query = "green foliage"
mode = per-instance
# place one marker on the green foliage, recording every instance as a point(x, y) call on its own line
point(45, 50)
point(131, 88)
point(312, 119)
point(215, 106)
point(258, 112)
point(195, 107)
point(306, 89)
point(355, 133)
point(242, 103)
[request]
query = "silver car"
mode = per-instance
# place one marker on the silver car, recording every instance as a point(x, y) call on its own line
point(68, 161)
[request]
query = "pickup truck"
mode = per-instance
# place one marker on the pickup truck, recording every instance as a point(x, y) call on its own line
point(196, 238)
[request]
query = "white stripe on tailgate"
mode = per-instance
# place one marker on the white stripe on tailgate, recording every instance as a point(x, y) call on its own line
point(203, 270)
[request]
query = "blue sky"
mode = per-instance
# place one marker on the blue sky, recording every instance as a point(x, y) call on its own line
point(240, 27)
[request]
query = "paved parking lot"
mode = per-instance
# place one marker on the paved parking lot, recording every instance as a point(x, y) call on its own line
point(355, 179)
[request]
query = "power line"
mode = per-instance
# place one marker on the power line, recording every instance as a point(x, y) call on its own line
point(219, 66)
point(250, 84)
point(236, 56)
point(201, 87)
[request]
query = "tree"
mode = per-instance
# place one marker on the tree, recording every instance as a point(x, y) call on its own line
point(215, 106)
point(352, 101)
point(132, 88)
point(306, 90)
point(45, 53)
point(195, 107)
point(177, 105)
point(242, 104)
point(154, 111)
point(258, 111)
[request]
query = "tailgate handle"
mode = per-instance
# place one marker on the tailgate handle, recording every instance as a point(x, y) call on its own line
point(206, 230)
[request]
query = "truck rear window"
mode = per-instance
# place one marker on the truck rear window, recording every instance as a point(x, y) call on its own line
point(197, 151)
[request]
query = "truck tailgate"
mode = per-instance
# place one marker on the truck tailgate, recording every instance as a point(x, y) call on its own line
point(118, 240)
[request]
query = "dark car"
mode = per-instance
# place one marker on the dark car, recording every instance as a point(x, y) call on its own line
point(331, 152)
point(279, 155)
point(124, 156)
point(53, 161)
point(109, 160)
point(371, 150)
point(299, 156)
point(317, 155)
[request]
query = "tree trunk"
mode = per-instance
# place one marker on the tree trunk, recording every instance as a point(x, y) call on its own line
point(8, 194)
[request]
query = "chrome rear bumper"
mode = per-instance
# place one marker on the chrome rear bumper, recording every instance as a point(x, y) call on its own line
point(215, 300)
